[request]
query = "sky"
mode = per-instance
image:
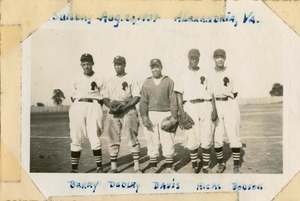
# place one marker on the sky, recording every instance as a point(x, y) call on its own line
point(256, 52)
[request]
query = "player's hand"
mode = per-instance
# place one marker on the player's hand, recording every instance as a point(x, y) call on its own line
point(125, 107)
point(227, 92)
point(173, 120)
point(214, 115)
point(147, 123)
point(116, 107)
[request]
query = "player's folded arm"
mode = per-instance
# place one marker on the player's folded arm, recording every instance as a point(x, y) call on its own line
point(132, 102)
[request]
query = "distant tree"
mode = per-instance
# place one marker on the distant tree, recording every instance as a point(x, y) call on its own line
point(40, 104)
point(277, 90)
point(58, 97)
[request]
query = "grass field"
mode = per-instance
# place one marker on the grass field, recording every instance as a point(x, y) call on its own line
point(261, 135)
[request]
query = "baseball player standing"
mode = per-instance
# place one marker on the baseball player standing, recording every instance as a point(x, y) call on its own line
point(85, 112)
point(225, 90)
point(194, 90)
point(158, 101)
point(122, 88)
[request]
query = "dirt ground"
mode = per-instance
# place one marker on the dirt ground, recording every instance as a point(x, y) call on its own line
point(261, 134)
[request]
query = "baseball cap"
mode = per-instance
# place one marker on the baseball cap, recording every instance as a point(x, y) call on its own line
point(194, 52)
point(86, 57)
point(220, 52)
point(119, 59)
point(155, 61)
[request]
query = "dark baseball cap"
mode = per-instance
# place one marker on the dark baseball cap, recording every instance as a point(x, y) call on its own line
point(86, 57)
point(220, 52)
point(155, 61)
point(194, 52)
point(119, 59)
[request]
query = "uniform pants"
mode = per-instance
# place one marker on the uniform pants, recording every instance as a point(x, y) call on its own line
point(229, 122)
point(202, 130)
point(128, 122)
point(156, 136)
point(86, 120)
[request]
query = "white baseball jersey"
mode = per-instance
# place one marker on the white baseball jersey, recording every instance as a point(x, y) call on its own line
point(225, 83)
point(194, 84)
point(86, 118)
point(88, 87)
point(197, 85)
point(121, 88)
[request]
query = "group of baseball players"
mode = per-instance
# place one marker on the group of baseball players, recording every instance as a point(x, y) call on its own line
point(199, 101)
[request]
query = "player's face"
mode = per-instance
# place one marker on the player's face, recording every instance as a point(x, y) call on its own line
point(193, 61)
point(156, 70)
point(119, 68)
point(219, 60)
point(87, 66)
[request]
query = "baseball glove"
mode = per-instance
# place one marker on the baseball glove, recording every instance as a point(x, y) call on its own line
point(169, 125)
point(185, 121)
point(116, 107)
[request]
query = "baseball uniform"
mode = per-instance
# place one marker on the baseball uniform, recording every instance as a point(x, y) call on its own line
point(158, 101)
point(196, 89)
point(123, 89)
point(225, 85)
point(85, 114)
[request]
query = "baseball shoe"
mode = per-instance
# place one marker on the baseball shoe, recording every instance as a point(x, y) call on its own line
point(170, 170)
point(100, 170)
point(194, 170)
point(153, 170)
point(139, 171)
point(74, 171)
point(112, 171)
point(205, 170)
point(221, 168)
point(236, 170)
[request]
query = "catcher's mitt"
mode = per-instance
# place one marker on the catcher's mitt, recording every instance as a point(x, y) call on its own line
point(185, 121)
point(116, 107)
point(168, 125)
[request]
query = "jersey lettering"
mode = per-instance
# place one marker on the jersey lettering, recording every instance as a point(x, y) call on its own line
point(202, 79)
point(93, 85)
point(226, 81)
point(124, 86)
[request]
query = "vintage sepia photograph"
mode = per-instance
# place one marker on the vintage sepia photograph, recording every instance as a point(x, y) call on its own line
point(99, 96)
point(197, 103)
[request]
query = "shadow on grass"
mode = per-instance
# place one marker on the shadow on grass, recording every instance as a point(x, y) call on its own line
point(182, 157)
point(126, 159)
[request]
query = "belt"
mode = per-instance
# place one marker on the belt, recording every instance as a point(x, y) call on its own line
point(195, 101)
point(222, 99)
point(89, 100)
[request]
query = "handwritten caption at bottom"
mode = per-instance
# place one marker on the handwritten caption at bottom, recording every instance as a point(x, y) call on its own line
point(202, 186)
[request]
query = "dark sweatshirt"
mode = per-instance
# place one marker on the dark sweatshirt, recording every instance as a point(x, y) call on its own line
point(159, 97)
